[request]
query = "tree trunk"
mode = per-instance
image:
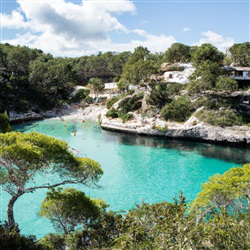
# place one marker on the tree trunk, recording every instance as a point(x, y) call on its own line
point(10, 212)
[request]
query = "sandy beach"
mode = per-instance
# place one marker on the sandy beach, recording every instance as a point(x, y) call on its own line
point(90, 113)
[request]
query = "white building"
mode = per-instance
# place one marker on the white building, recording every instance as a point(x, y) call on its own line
point(180, 76)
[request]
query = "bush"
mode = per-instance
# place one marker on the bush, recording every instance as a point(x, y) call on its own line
point(223, 117)
point(178, 110)
point(174, 88)
point(112, 113)
point(162, 129)
point(173, 67)
point(4, 124)
point(126, 117)
point(89, 100)
point(13, 240)
point(53, 241)
point(226, 83)
point(112, 101)
point(159, 95)
point(130, 103)
point(80, 95)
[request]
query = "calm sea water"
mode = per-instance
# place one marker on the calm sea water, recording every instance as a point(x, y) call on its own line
point(135, 168)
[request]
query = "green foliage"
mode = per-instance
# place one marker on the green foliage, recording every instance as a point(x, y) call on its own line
point(129, 104)
point(69, 208)
point(126, 117)
point(217, 219)
point(205, 77)
point(101, 235)
point(52, 81)
point(13, 241)
point(138, 67)
point(80, 95)
point(162, 129)
point(23, 156)
point(222, 117)
point(178, 110)
point(113, 113)
point(174, 88)
point(226, 84)
point(225, 194)
point(173, 67)
point(158, 226)
point(16, 92)
point(4, 124)
point(207, 52)
point(126, 105)
point(159, 95)
point(97, 85)
point(112, 101)
point(53, 241)
point(240, 54)
point(225, 231)
point(178, 53)
point(107, 66)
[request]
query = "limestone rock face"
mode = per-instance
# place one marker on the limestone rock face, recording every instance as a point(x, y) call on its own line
point(199, 132)
point(212, 134)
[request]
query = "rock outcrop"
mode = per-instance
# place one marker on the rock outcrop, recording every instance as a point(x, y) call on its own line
point(200, 132)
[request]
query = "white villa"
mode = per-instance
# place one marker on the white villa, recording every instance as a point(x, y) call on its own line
point(179, 76)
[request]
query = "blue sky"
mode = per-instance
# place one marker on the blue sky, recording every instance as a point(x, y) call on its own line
point(76, 28)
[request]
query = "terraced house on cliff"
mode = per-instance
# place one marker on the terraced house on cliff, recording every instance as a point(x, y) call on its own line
point(240, 74)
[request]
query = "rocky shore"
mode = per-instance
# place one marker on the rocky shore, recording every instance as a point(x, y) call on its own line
point(239, 135)
point(154, 126)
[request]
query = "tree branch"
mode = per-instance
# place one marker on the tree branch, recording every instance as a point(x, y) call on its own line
point(56, 185)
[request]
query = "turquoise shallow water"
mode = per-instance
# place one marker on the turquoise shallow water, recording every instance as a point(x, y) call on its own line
point(135, 168)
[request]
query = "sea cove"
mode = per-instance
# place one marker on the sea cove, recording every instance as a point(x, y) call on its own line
point(136, 168)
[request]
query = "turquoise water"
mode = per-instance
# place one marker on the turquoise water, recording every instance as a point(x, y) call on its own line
point(135, 168)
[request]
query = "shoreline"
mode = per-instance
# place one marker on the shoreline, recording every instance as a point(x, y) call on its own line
point(155, 127)
point(175, 134)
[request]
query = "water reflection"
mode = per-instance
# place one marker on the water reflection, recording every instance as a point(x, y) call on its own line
point(239, 155)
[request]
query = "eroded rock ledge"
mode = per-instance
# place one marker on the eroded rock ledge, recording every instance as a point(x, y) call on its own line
point(201, 132)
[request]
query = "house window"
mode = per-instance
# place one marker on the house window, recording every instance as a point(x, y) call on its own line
point(245, 74)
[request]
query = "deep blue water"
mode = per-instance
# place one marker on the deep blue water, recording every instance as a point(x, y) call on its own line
point(135, 168)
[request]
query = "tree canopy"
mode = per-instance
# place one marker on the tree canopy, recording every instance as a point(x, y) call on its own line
point(207, 52)
point(240, 54)
point(24, 156)
point(178, 53)
point(70, 208)
point(138, 67)
point(229, 192)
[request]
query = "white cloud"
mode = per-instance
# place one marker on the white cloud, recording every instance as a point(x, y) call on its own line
point(186, 29)
point(69, 29)
point(217, 40)
point(13, 21)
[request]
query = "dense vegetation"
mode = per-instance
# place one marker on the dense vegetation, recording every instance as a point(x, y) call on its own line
point(30, 79)
point(217, 219)
point(33, 80)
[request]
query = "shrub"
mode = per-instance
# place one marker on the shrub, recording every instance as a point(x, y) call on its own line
point(226, 83)
point(130, 103)
point(178, 110)
point(174, 88)
point(80, 95)
point(112, 101)
point(89, 100)
point(223, 117)
point(112, 113)
point(162, 129)
point(4, 124)
point(126, 117)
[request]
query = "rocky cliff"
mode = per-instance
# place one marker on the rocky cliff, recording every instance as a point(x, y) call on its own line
point(188, 131)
